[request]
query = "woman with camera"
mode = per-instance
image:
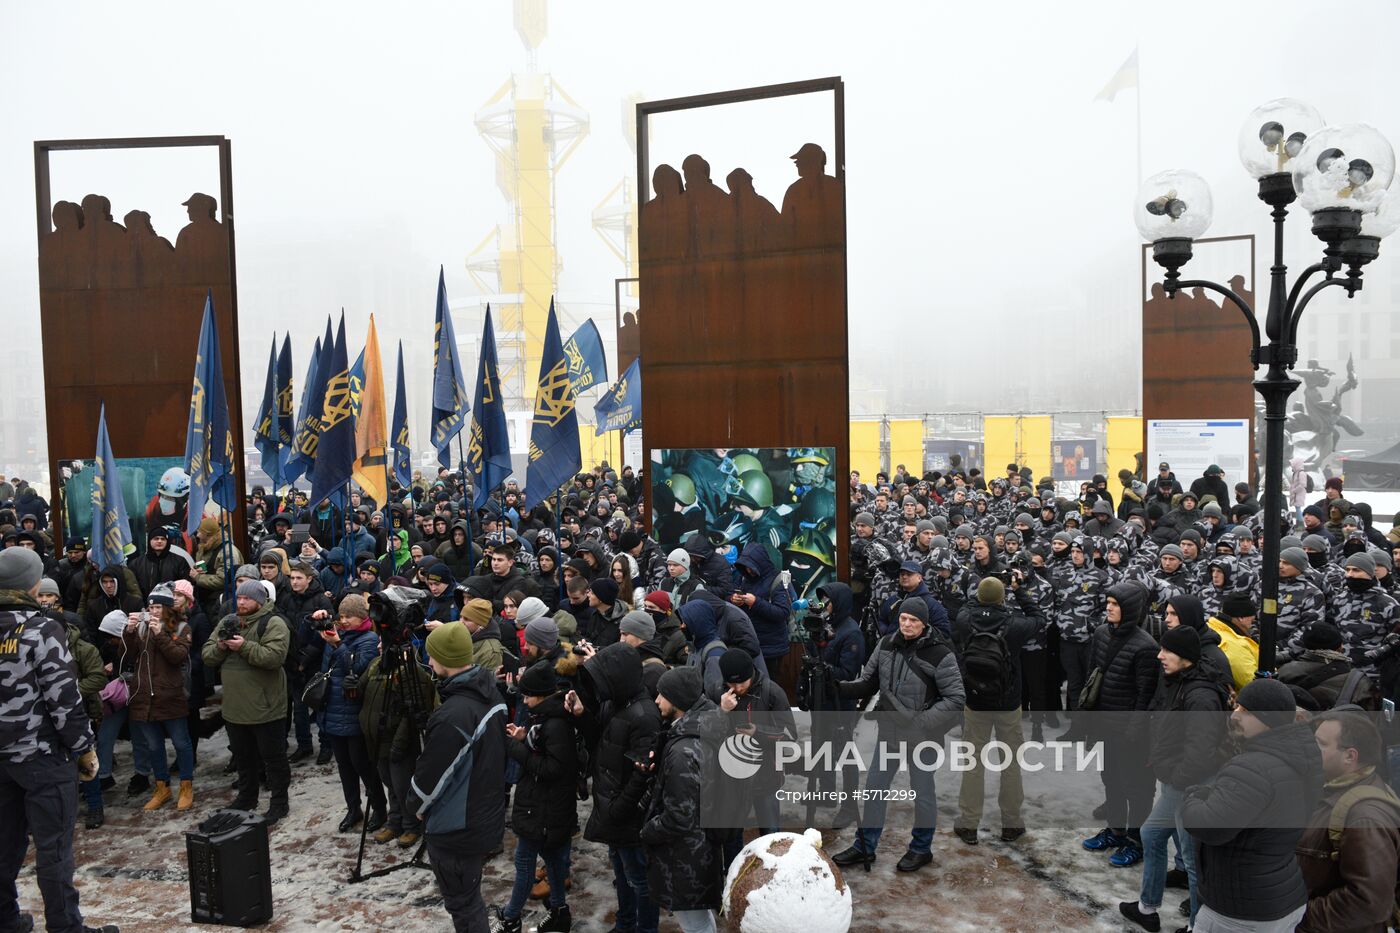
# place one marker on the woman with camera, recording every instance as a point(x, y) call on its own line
point(350, 645)
point(159, 641)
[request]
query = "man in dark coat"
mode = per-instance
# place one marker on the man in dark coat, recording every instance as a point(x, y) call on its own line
point(709, 565)
point(766, 602)
point(1164, 486)
point(157, 564)
point(459, 784)
point(1185, 751)
point(304, 606)
point(70, 572)
point(1127, 656)
point(1248, 819)
point(1211, 483)
point(619, 722)
point(684, 868)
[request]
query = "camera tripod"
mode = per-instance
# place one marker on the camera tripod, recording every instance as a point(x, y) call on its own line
point(406, 693)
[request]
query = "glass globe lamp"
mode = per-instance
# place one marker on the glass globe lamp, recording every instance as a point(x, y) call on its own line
point(1345, 167)
point(1274, 133)
point(1174, 204)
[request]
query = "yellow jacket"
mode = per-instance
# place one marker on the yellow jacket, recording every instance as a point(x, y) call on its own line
point(1240, 650)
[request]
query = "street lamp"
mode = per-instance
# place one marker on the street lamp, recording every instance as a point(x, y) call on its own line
point(1341, 175)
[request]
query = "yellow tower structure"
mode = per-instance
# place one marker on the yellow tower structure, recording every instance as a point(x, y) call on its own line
point(533, 127)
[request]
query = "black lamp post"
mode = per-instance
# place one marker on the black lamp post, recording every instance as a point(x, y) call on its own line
point(1342, 175)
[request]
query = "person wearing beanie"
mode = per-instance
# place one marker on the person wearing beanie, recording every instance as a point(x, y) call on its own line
point(1325, 671)
point(347, 650)
point(990, 634)
point(680, 584)
point(933, 705)
point(46, 741)
point(248, 649)
point(760, 709)
point(158, 708)
point(488, 640)
point(1301, 602)
point(687, 873)
point(1247, 820)
point(463, 808)
point(599, 627)
point(157, 563)
point(1363, 611)
point(1078, 610)
point(1183, 753)
point(637, 628)
point(1127, 657)
point(1234, 623)
point(545, 814)
point(542, 634)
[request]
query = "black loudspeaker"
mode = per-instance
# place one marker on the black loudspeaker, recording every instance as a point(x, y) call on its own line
point(230, 870)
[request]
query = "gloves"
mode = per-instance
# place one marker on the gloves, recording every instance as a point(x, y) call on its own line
point(87, 765)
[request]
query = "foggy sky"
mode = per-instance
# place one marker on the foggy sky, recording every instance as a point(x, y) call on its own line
point(989, 195)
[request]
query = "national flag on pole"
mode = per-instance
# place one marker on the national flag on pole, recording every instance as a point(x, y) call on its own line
point(488, 444)
point(588, 365)
point(371, 438)
point(357, 383)
point(1124, 79)
point(111, 533)
point(335, 448)
point(294, 464)
point(554, 449)
point(620, 408)
point(313, 396)
point(265, 437)
point(286, 405)
point(209, 450)
point(403, 459)
point(449, 385)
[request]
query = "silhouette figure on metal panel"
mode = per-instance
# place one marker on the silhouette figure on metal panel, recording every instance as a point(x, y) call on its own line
point(153, 253)
point(108, 243)
point(814, 205)
point(756, 219)
point(665, 216)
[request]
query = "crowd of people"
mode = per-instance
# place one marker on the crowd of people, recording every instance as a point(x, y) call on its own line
point(470, 670)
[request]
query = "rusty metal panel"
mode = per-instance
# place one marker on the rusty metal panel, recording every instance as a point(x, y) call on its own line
point(120, 309)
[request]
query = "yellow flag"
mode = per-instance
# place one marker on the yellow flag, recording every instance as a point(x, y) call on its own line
point(371, 435)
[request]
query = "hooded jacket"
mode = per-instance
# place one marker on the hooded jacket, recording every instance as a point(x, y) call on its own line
point(1189, 611)
point(1130, 678)
point(545, 808)
point(255, 688)
point(710, 566)
point(459, 558)
point(458, 786)
point(916, 677)
point(845, 652)
point(1248, 820)
point(1014, 628)
point(772, 603)
point(684, 867)
point(153, 569)
point(621, 723)
point(712, 626)
point(1188, 726)
point(357, 648)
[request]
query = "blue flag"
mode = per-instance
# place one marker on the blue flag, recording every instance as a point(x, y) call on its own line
point(209, 449)
point(335, 449)
point(286, 404)
point(312, 399)
point(449, 385)
point(398, 433)
point(588, 366)
point(357, 382)
point(265, 437)
point(554, 449)
point(488, 444)
point(294, 464)
point(620, 408)
point(111, 533)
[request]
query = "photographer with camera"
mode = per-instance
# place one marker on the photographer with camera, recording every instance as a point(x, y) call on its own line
point(249, 649)
point(350, 646)
point(545, 812)
point(835, 651)
point(159, 641)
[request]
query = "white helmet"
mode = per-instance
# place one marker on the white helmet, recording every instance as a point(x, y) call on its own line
point(174, 483)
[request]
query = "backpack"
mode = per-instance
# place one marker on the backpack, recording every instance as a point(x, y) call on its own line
point(986, 665)
point(1337, 821)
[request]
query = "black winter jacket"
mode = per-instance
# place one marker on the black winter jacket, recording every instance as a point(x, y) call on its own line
point(1015, 629)
point(620, 727)
point(684, 868)
point(458, 785)
point(1130, 680)
point(545, 808)
point(846, 650)
point(1188, 727)
point(1248, 820)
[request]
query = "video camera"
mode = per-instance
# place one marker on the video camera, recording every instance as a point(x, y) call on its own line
point(229, 629)
point(398, 614)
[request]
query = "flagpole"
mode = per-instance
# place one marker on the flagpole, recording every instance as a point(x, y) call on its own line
point(344, 518)
point(558, 548)
point(1137, 51)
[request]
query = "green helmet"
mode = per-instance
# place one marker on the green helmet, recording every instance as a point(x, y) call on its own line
point(683, 488)
point(815, 542)
point(745, 462)
point(817, 505)
point(810, 455)
point(755, 490)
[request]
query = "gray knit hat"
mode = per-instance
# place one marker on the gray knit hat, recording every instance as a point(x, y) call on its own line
point(1295, 556)
point(20, 569)
point(639, 624)
point(254, 590)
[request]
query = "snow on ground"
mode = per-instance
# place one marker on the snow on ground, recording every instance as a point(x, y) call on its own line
point(133, 872)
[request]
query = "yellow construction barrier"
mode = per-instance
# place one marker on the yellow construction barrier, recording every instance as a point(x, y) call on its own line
point(1123, 441)
point(907, 445)
point(865, 449)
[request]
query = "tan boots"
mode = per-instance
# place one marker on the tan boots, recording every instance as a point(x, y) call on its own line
point(162, 796)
